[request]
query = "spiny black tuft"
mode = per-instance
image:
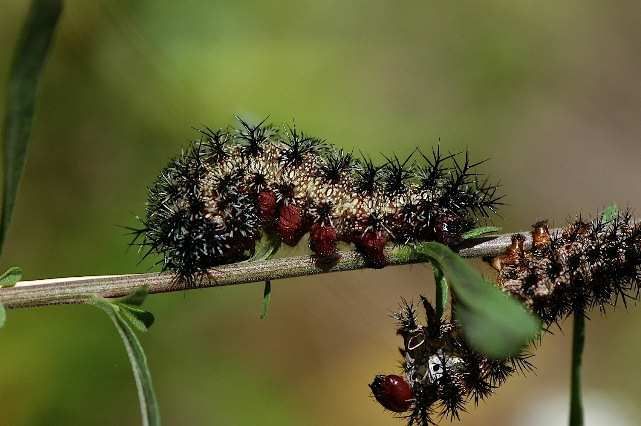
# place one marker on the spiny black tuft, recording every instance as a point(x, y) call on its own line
point(368, 176)
point(432, 173)
point(396, 175)
point(214, 145)
point(253, 137)
point(336, 165)
point(299, 146)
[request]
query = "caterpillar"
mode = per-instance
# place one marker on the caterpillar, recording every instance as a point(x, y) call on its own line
point(212, 203)
point(584, 265)
point(441, 372)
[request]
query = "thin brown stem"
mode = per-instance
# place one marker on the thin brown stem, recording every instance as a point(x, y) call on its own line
point(80, 289)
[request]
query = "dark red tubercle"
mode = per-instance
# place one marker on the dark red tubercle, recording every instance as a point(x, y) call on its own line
point(372, 246)
point(322, 240)
point(392, 392)
point(290, 224)
point(267, 205)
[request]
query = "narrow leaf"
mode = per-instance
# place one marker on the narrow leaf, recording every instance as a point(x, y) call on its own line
point(477, 232)
point(610, 213)
point(267, 295)
point(148, 404)
point(493, 322)
point(28, 61)
point(10, 277)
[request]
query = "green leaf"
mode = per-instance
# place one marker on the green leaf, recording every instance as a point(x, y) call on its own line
point(149, 409)
point(139, 318)
point(10, 277)
point(493, 322)
point(135, 298)
point(130, 308)
point(267, 296)
point(3, 315)
point(266, 247)
point(28, 61)
point(610, 213)
point(482, 230)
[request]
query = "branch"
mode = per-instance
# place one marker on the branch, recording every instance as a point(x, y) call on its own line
point(75, 290)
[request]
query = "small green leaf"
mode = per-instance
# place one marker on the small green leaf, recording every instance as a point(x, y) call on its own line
point(11, 277)
point(149, 408)
point(482, 230)
point(130, 308)
point(267, 296)
point(135, 298)
point(139, 318)
point(610, 213)
point(3, 315)
point(266, 247)
point(493, 322)
point(28, 62)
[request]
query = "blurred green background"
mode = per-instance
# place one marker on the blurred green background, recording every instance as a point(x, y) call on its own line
point(549, 91)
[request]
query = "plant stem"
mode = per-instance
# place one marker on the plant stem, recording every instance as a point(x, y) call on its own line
point(441, 291)
point(80, 289)
point(578, 342)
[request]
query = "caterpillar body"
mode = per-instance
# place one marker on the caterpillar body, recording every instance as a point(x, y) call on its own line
point(585, 265)
point(212, 203)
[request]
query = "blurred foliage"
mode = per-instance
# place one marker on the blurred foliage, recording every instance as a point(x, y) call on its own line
point(549, 91)
point(29, 58)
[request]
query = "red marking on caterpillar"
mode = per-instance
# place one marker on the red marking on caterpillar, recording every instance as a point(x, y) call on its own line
point(372, 244)
point(322, 240)
point(267, 205)
point(212, 203)
point(290, 224)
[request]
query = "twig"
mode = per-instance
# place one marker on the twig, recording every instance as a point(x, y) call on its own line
point(79, 289)
point(578, 342)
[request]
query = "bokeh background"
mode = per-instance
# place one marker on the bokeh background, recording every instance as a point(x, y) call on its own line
point(550, 91)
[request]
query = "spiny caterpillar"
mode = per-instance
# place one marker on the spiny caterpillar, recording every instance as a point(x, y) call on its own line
point(582, 266)
point(441, 371)
point(212, 203)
